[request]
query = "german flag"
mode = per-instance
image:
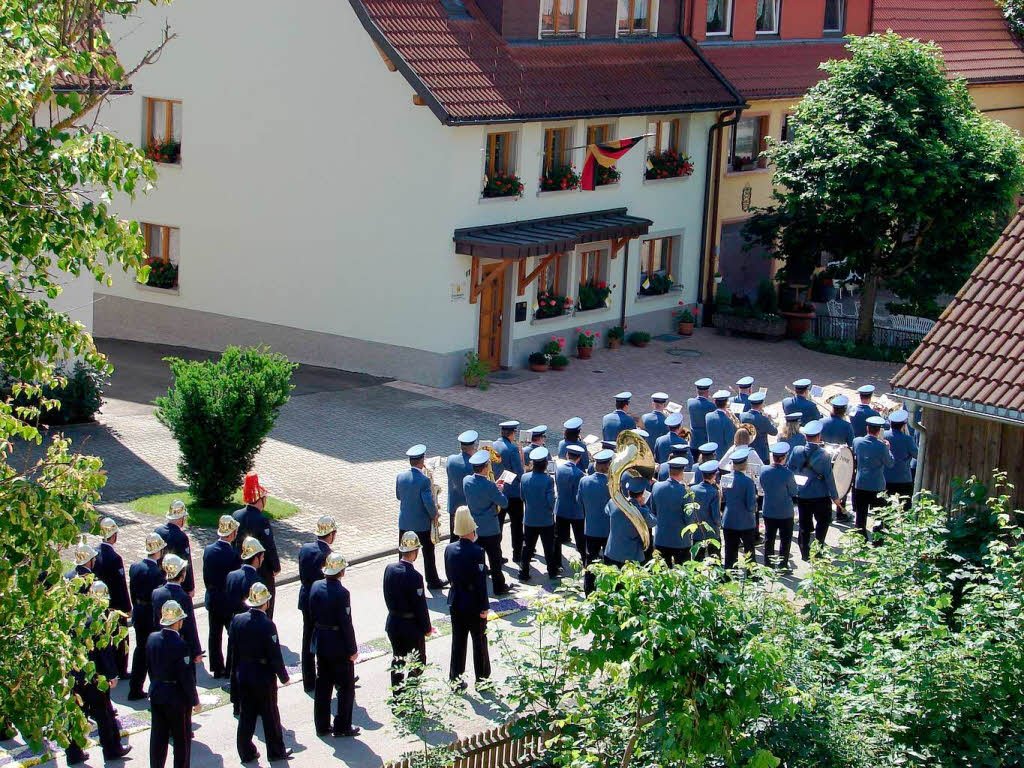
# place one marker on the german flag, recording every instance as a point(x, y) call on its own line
point(605, 154)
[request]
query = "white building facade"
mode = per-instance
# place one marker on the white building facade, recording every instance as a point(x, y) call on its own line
point(315, 178)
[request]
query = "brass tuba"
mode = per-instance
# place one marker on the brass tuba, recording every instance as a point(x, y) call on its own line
point(749, 428)
point(632, 457)
point(431, 468)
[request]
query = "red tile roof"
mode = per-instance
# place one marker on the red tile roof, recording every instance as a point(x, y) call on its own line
point(776, 70)
point(467, 73)
point(973, 35)
point(974, 356)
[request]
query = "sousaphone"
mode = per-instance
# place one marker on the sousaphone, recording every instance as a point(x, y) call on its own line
point(632, 457)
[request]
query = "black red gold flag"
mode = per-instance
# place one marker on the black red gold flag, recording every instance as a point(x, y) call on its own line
point(605, 154)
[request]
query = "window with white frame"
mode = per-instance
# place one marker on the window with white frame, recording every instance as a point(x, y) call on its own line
point(767, 17)
point(747, 143)
point(666, 149)
point(161, 255)
point(834, 13)
point(552, 285)
point(593, 290)
point(559, 17)
point(634, 17)
point(657, 257)
point(719, 17)
point(557, 172)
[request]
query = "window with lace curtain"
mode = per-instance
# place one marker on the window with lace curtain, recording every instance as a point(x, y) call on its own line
point(635, 17)
point(834, 12)
point(719, 18)
point(559, 17)
point(767, 17)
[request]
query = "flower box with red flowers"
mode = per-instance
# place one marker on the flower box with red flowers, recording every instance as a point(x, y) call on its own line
point(604, 176)
point(503, 185)
point(668, 165)
point(552, 305)
point(162, 274)
point(559, 178)
point(167, 151)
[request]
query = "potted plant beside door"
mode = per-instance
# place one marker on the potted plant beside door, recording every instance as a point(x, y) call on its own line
point(475, 372)
point(585, 343)
point(538, 362)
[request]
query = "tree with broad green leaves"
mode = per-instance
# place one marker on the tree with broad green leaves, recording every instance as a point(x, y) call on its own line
point(57, 179)
point(894, 173)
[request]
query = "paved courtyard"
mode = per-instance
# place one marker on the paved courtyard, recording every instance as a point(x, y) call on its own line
point(340, 441)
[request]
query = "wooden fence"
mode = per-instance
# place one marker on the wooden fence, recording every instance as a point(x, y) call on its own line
point(496, 748)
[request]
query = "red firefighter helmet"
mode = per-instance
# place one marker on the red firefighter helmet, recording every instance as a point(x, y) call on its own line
point(252, 491)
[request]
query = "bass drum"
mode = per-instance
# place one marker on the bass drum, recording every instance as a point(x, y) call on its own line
point(843, 470)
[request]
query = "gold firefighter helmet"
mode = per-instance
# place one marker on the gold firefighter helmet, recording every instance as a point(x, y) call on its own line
point(177, 510)
point(100, 591)
point(154, 543)
point(251, 547)
point(174, 565)
point(84, 553)
point(325, 526)
point(258, 595)
point(335, 564)
point(226, 525)
point(171, 613)
point(107, 528)
point(410, 542)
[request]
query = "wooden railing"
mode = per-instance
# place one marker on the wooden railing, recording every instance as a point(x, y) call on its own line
point(495, 748)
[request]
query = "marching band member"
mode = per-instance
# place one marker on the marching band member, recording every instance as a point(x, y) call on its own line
point(467, 599)
point(698, 408)
point(863, 410)
point(654, 422)
point(173, 532)
point(673, 436)
point(593, 498)
point(836, 429)
point(109, 568)
point(791, 430)
point(744, 386)
point(417, 510)
point(873, 458)
point(719, 423)
point(483, 497)
point(780, 495)
point(668, 504)
point(678, 451)
point(619, 419)
point(739, 520)
point(572, 435)
point(568, 514)
point(624, 544)
point(705, 453)
point(252, 522)
point(312, 556)
point(457, 468)
point(143, 578)
point(219, 559)
point(709, 511)
point(408, 622)
point(174, 589)
point(336, 650)
point(539, 500)
point(899, 479)
point(512, 461)
point(173, 690)
point(538, 436)
point(813, 501)
point(764, 426)
point(800, 403)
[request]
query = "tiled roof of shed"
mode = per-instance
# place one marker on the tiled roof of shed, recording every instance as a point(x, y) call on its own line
point(776, 70)
point(973, 35)
point(973, 358)
point(468, 73)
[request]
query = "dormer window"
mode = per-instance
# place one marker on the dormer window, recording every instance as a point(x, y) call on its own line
point(719, 17)
point(559, 17)
point(834, 16)
point(767, 17)
point(634, 17)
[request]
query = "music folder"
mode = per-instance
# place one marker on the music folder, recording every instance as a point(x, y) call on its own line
point(801, 480)
point(508, 476)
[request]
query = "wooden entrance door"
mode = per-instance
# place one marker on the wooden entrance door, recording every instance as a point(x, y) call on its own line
point(492, 313)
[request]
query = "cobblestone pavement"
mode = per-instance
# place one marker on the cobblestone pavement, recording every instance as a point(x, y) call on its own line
point(340, 441)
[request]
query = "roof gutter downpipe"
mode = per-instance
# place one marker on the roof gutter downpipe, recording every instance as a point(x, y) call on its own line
point(712, 173)
point(625, 277)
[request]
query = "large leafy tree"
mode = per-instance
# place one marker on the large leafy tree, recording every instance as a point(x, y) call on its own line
point(57, 179)
point(892, 171)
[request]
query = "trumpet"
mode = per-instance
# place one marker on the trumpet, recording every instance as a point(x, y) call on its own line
point(749, 428)
point(885, 406)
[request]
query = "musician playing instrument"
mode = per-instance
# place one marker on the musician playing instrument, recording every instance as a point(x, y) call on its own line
point(698, 408)
point(669, 498)
point(863, 411)
point(653, 422)
point(815, 499)
point(763, 426)
point(678, 451)
point(593, 497)
point(744, 386)
point(568, 513)
point(458, 469)
point(624, 540)
point(873, 458)
point(836, 429)
point(512, 461)
point(800, 403)
point(705, 453)
point(539, 500)
point(417, 509)
point(677, 434)
point(899, 479)
point(571, 435)
point(780, 495)
point(619, 419)
point(483, 497)
point(708, 518)
point(739, 520)
point(791, 430)
point(720, 423)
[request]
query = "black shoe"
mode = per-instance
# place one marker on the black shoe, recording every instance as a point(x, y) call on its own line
point(119, 754)
point(438, 585)
point(504, 560)
point(286, 755)
point(458, 685)
point(353, 731)
point(77, 759)
point(309, 689)
point(355, 679)
point(226, 688)
point(252, 758)
point(137, 695)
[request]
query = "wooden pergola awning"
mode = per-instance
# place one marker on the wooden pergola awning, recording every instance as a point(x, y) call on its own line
point(557, 234)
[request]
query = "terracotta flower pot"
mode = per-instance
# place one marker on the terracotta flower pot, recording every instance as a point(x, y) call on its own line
point(685, 329)
point(538, 367)
point(639, 343)
point(614, 343)
point(558, 367)
point(798, 323)
point(584, 353)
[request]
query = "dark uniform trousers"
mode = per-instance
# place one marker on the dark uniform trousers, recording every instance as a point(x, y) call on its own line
point(595, 548)
point(515, 525)
point(546, 534)
point(171, 719)
point(904, 490)
point(815, 518)
point(674, 555)
point(463, 628)
point(219, 621)
point(143, 628)
point(334, 673)
point(267, 576)
point(96, 705)
point(429, 563)
point(863, 501)
point(492, 546)
point(564, 527)
point(403, 642)
point(256, 700)
point(733, 540)
point(783, 529)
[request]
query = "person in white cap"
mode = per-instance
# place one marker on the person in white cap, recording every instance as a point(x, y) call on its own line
point(173, 690)
point(408, 622)
point(619, 419)
point(719, 424)
point(698, 407)
point(819, 493)
point(653, 422)
point(458, 468)
point(143, 578)
point(173, 532)
point(109, 568)
point(873, 458)
point(312, 556)
point(330, 606)
point(512, 460)
point(417, 508)
point(800, 403)
point(863, 410)
point(743, 386)
point(539, 497)
point(899, 479)
point(467, 599)
point(780, 494)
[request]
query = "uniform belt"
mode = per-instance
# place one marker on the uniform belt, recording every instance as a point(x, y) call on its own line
point(254, 660)
point(334, 627)
point(143, 602)
point(406, 615)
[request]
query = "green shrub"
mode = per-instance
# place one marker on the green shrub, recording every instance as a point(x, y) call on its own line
point(559, 361)
point(616, 332)
point(639, 337)
point(220, 411)
point(858, 351)
point(1013, 10)
point(76, 402)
